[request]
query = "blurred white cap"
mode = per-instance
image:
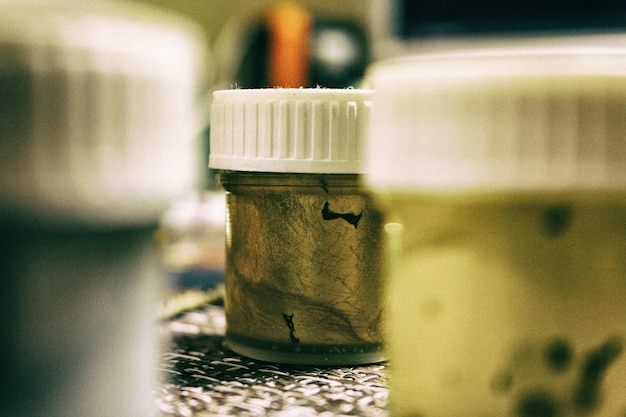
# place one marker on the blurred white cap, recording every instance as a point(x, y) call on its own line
point(523, 118)
point(98, 109)
point(294, 130)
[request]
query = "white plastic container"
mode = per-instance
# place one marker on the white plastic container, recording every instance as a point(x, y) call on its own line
point(303, 236)
point(502, 174)
point(97, 123)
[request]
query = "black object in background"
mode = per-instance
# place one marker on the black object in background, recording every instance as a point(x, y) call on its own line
point(420, 18)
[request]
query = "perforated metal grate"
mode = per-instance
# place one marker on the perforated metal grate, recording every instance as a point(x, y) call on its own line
point(202, 378)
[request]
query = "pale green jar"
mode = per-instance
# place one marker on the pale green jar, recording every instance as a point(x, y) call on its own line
point(503, 180)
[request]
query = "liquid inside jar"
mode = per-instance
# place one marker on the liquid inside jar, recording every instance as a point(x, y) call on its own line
point(511, 305)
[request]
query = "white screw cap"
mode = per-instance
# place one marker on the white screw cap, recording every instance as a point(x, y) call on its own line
point(522, 118)
point(97, 109)
point(301, 130)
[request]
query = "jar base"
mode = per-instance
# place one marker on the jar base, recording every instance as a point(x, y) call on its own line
point(305, 354)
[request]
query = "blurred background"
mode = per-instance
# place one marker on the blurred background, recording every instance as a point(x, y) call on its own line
point(241, 33)
point(396, 27)
point(215, 14)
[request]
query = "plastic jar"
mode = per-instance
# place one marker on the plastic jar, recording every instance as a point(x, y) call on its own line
point(97, 120)
point(303, 237)
point(502, 174)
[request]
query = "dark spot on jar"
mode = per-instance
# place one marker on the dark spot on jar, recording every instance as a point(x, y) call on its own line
point(352, 218)
point(556, 220)
point(324, 185)
point(558, 355)
point(292, 328)
point(587, 395)
point(538, 404)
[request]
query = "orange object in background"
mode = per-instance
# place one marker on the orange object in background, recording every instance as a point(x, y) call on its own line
point(289, 26)
point(290, 46)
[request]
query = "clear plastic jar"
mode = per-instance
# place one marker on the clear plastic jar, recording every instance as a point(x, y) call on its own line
point(303, 242)
point(98, 115)
point(504, 191)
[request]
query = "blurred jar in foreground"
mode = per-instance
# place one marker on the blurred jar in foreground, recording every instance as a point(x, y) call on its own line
point(502, 174)
point(303, 237)
point(97, 118)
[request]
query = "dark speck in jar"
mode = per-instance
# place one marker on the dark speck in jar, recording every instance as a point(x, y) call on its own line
point(558, 355)
point(556, 220)
point(538, 404)
point(596, 363)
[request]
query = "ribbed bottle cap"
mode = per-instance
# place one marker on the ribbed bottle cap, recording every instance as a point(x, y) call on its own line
point(524, 118)
point(98, 109)
point(290, 130)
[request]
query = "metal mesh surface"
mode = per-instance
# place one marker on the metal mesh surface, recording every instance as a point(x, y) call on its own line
point(202, 378)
